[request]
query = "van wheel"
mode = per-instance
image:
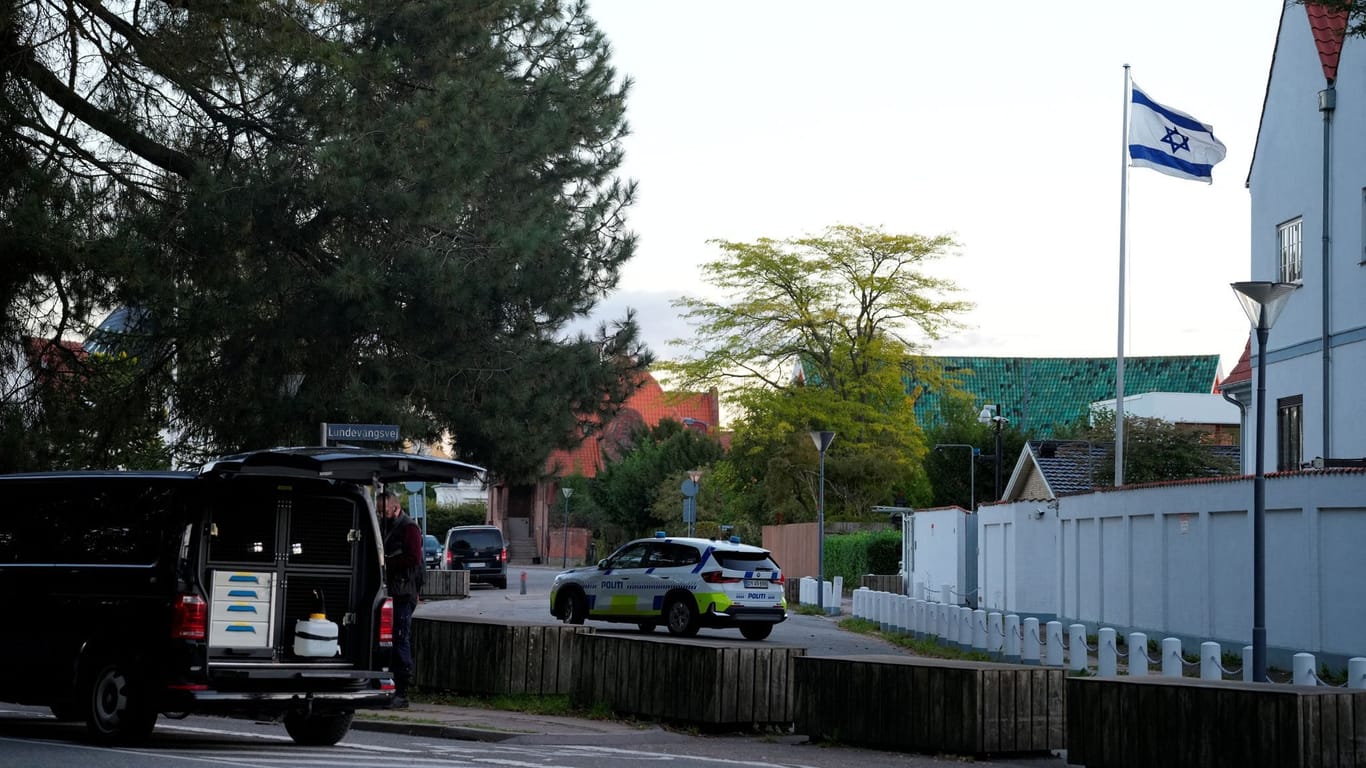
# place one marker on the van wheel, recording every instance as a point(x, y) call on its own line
point(681, 616)
point(318, 730)
point(756, 631)
point(119, 709)
point(573, 608)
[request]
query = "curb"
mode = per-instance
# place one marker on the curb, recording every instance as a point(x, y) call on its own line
point(432, 730)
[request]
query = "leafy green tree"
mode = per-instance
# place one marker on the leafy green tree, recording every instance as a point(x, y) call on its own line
point(333, 211)
point(1155, 450)
point(947, 469)
point(852, 307)
point(629, 487)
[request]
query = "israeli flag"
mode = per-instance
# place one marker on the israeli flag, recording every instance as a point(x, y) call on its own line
point(1171, 141)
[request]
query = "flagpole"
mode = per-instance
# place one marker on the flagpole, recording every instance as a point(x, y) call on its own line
point(1123, 253)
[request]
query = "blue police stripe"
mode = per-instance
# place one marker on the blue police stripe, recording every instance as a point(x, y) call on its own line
point(705, 557)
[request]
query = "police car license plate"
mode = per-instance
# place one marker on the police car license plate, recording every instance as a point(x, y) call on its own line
point(474, 565)
point(756, 583)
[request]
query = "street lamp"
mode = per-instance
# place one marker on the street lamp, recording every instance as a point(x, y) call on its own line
point(564, 556)
point(822, 441)
point(689, 421)
point(1263, 301)
point(991, 414)
point(972, 470)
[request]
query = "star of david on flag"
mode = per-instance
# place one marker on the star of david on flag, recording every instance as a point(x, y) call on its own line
point(1170, 141)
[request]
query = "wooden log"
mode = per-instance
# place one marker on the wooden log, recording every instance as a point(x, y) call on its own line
point(1139, 721)
point(486, 656)
point(440, 584)
point(929, 705)
point(696, 681)
point(877, 582)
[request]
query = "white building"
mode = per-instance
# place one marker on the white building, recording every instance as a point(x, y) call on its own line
point(1312, 122)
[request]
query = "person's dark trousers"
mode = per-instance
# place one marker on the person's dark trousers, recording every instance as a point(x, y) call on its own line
point(403, 644)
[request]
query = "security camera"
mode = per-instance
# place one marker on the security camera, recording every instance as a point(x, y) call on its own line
point(1037, 513)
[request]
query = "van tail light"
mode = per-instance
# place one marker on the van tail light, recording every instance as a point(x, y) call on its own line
point(448, 558)
point(386, 622)
point(503, 555)
point(717, 577)
point(190, 619)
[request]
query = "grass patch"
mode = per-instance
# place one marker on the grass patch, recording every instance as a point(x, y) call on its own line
point(806, 609)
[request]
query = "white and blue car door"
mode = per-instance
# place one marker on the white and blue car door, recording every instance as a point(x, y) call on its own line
point(619, 583)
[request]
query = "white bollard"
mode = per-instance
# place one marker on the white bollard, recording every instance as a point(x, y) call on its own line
point(951, 624)
point(1076, 647)
point(1356, 672)
point(947, 594)
point(1029, 640)
point(1247, 664)
point(858, 602)
point(903, 622)
point(1138, 654)
point(996, 638)
point(918, 590)
point(965, 630)
point(979, 630)
point(1209, 661)
point(834, 605)
point(1171, 657)
point(1304, 669)
point(1053, 644)
point(917, 617)
point(806, 594)
point(1107, 655)
point(1011, 641)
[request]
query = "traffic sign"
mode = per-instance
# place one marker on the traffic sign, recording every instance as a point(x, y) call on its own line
point(364, 433)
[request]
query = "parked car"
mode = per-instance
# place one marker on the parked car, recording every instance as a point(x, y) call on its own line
point(682, 583)
point(252, 588)
point(481, 550)
point(431, 551)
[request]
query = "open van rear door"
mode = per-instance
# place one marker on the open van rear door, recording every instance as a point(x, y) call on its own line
point(355, 465)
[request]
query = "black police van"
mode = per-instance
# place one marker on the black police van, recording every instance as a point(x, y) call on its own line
point(251, 588)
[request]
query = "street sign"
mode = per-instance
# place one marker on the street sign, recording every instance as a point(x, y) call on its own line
point(689, 488)
point(364, 433)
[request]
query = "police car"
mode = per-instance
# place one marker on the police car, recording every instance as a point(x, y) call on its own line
point(683, 583)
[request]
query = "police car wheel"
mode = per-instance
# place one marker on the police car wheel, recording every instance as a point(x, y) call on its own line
point(681, 616)
point(756, 631)
point(646, 626)
point(573, 608)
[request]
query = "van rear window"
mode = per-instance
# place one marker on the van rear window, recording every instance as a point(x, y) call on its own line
point(476, 540)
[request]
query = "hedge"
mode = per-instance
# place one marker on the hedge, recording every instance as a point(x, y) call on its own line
point(852, 555)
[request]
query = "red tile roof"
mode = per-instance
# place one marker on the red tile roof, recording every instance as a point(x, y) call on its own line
point(1242, 371)
point(647, 406)
point(1329, 27)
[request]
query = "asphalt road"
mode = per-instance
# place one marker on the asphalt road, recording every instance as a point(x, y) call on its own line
point(819, 635)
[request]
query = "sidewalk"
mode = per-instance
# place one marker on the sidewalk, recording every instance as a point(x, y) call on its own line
point(478, 724)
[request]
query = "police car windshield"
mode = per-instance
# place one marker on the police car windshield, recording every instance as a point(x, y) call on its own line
point(745, 561)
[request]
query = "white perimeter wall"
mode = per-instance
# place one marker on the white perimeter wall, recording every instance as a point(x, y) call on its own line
point(1176, 560)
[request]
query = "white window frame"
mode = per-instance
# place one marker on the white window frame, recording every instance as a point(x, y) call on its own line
point(1290, 249)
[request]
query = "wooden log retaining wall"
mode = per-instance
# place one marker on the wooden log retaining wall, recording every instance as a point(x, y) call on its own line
point(1145, 721)
point(700, 681)
point(493, 656)
point(438, 584)
point(930, 705)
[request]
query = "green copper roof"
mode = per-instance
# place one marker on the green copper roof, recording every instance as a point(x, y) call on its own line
point(1038, 394)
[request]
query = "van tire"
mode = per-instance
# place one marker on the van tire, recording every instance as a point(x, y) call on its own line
point(117, 705)
point(318, 730)
point(680, 616)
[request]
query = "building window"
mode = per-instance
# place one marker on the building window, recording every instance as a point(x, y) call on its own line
point(1288, 241)
point(1289, 433)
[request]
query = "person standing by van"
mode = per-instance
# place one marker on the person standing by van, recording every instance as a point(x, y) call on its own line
point(403, 577)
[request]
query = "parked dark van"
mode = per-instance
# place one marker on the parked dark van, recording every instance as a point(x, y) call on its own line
point(139, 593)
point(481, 550)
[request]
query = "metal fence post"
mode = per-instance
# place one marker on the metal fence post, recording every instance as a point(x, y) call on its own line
point(1304, 669)
point(1138, 654)
point(1011, 629)
point(1171, 657)
point(1029, 643)
point(1054, 644)
point(979, 630)
point(1107, 655)
point(1209, 661)
point(1076, 647)
point(1356, 672)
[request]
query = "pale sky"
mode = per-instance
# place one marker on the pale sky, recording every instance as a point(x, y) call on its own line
point(997, 122)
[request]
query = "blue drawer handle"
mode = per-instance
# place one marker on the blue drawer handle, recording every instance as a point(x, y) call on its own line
point(242, 609)
point(241, 628)
point(241, 593)
point(242, 577)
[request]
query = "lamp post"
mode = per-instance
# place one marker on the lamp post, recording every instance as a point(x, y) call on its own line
point(695, 475)
point(991, 414)
point(822, 439)
point(1263, 301)
point(972, 470)
point(564, 556)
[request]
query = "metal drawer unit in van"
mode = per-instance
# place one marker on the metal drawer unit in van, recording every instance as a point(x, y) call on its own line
point(241, 611)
